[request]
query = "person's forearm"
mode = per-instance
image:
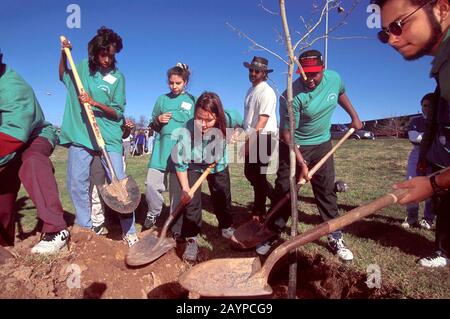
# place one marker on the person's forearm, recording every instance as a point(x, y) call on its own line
point(443, 179)
point(109, 111)
point(62, 65)
point(262, 121)
point(286, 137)
point(344, 101)
point(183, 179)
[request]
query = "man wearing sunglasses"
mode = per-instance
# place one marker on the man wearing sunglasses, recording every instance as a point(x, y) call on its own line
point(260, 123)
point(416, 28)
point(315, 100)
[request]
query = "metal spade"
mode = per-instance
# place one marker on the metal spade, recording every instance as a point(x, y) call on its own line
point(244, 277)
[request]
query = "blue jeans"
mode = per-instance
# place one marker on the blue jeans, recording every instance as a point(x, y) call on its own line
point(413, 208)
point(78, 169)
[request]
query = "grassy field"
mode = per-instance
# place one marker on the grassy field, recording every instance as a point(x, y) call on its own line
point(368, 167)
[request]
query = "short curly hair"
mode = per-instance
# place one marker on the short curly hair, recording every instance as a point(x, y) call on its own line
point(102, 41)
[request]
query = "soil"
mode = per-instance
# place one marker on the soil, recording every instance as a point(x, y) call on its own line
point(94, 267)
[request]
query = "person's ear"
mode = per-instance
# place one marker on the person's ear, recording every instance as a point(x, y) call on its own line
point(443, 7)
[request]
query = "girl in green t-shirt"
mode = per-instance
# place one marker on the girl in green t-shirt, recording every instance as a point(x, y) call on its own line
point(104, 87)
point(171, 111)
point(211, 125)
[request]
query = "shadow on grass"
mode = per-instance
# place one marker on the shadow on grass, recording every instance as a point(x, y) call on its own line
point(384, 230)
point(20, 208)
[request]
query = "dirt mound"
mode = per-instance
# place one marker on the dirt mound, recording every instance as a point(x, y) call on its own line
point(319, 278)
point(93, 267)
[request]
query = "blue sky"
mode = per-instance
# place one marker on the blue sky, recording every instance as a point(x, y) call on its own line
point(158, 33)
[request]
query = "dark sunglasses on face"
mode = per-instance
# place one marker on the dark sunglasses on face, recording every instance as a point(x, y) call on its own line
point(254, 71)
point(396, 27)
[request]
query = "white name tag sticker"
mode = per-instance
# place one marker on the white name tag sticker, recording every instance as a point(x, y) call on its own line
point(186, 106)
point(110, 79)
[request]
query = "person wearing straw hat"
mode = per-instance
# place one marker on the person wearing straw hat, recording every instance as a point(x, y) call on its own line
point(260, 124)
point(315, 99)
point(416, 28)
point(26, 143)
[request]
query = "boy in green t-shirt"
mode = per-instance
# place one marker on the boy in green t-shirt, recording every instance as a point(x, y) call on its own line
point(104, 88)
point(314, 103)
point(26, 143)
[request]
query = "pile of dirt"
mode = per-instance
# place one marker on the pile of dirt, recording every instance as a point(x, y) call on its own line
point(94, 267)
point(318, 278)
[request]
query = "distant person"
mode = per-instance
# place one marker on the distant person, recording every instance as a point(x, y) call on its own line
point(26, 144)
point(415, 134)
point(427, 32)
point(315, 100)
point(140, 142)
point(211, 122)
point(127, 137)
point(104, 88)
point(260, 123)
point(171, 111)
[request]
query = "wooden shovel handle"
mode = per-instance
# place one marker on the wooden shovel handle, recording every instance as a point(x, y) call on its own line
point(90, 114)
point(181, 204)
point(311, 173)
point(330, 226)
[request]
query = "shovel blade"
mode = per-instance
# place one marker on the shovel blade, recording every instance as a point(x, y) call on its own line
point(147, 250)
point(122, 196)
point(252, 233)
point(226, 277)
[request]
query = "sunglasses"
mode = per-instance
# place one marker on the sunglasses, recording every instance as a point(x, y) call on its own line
point(254, 71)
point(396, 27)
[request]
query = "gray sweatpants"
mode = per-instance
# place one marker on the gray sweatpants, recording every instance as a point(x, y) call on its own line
point(155, 188)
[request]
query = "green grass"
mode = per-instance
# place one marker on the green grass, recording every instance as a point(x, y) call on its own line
point(368, 167)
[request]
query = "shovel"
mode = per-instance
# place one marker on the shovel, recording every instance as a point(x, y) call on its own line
point(251, 233)
point(244, 277)
point(150, 247)
point(123, 195)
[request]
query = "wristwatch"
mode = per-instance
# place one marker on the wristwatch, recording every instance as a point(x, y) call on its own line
point(437, 190)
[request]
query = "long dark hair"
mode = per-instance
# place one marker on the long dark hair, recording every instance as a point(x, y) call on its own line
point(103, 40)
point(210, 101)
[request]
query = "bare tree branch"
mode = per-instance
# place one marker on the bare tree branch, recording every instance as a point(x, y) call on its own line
point(261, 5)
point(310, 44)
point(256, 44)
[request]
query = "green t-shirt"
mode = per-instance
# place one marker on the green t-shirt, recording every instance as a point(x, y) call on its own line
point(106, 88)
point(313, 109)
point(439, 152)
point(21, 115)
point(182, 107)
point(202, 154)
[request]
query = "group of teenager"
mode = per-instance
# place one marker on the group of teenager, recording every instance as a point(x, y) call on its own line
point(194, 134)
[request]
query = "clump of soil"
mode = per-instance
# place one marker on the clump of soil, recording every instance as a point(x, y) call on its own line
point(94, 267)
point(321, 278)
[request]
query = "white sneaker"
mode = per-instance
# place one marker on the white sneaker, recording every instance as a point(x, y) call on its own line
point(338, 247)
point(408, 224)
point(228, 232)
point(424, 224)
point(437, 259)
point(265, 247)
point(130, 239)
point(51, 243)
